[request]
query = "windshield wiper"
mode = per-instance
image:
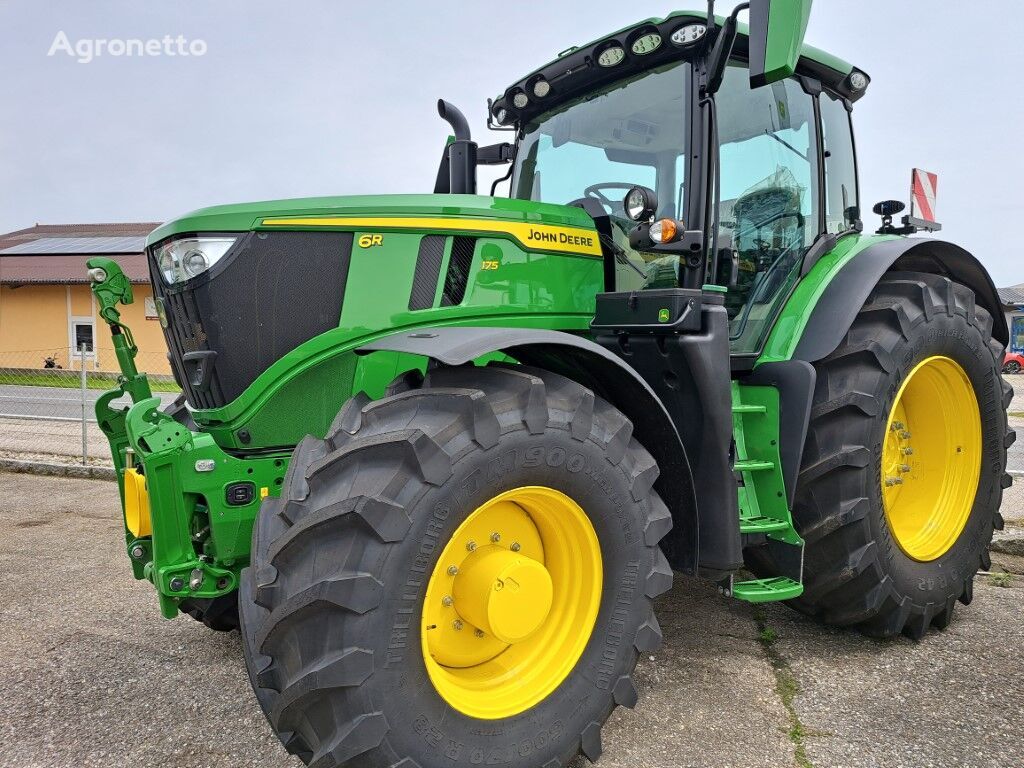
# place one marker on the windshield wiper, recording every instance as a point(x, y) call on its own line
point(620, 254)
point(786, 144)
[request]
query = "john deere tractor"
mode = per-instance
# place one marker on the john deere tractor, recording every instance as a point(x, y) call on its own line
point(437, 455)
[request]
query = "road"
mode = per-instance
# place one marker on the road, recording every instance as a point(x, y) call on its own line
point(52, 402)
point(93, 677)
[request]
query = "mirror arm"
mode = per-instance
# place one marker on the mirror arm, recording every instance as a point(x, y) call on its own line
point(494, 154)
point(722, 49)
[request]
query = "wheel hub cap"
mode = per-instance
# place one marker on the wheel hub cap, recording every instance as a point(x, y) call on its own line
point(504, 594)
point(931, 458)
point(512, 602)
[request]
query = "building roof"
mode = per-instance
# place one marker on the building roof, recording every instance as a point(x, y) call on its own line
point(56, 253)
point(55, 245)
point(1013, 294)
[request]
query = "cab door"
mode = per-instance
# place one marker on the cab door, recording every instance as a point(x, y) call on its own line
point(769, 210)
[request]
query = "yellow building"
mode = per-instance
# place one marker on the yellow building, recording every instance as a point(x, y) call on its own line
point(47, 309)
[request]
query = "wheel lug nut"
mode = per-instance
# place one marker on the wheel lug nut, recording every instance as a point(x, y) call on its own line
point(447, 601)
point(908, 451)
point(897, 426)
point(453, 570)
point(516, 546)
point(471, 546)
point(479, 633)
point(904, 467)
point(905, 435)
point(495, 537)
point(890, 481)
point(457, 625)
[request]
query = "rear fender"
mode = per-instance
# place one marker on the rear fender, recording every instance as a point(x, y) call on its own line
point(592, 366)
point(842, 299)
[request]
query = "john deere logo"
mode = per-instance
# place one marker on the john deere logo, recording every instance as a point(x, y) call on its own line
point(663, 316)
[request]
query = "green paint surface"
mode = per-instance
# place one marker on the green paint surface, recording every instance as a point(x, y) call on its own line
point(792, 320)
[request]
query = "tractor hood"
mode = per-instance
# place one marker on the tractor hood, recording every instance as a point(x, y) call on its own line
point(244, 217)
point(240, 289)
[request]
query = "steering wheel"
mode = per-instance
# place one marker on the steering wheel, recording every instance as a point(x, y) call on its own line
point(594, 190)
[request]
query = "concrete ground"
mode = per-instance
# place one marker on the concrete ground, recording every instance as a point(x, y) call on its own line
point(92, 676)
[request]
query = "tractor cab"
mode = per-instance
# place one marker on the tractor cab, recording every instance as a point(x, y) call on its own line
point(744, 173)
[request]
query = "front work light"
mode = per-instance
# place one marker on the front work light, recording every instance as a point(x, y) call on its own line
point(858, 80)
point(648, 42)
point(611, 55)
point(640, 203)
point(188, 257)
point(688, 34)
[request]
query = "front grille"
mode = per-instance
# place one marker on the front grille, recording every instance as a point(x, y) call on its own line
point(271, 292)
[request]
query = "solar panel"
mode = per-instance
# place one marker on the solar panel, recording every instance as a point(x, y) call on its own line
point(78, 245)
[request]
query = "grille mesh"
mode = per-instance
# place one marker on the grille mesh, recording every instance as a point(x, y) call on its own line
point(272, 291)
point(459, 265)
point(428, 269)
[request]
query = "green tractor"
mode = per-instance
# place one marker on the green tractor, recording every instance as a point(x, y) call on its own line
point(437, 455)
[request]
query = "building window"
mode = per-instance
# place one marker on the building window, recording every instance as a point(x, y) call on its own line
point(82, 332)
point(1017, 334)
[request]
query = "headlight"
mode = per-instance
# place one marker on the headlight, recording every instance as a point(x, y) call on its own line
point(181, 260)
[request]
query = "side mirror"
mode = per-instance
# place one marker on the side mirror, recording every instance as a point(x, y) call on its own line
point(777, 29)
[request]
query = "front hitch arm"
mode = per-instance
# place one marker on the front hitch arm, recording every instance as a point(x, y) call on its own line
point(111, 287)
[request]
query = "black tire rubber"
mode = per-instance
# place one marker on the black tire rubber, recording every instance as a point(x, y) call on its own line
point(332, 600)
point(854, 572)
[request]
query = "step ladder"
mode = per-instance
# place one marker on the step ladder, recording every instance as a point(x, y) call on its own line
point(764, 509)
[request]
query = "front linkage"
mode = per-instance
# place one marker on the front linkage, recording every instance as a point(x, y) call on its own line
point(188, 505)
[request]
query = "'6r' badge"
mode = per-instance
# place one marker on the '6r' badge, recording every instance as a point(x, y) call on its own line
point(368, 241)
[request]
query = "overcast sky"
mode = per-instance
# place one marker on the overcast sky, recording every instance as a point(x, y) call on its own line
point(306, 98)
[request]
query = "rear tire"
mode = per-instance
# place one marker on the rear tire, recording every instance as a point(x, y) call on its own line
point(856, 572)
point(332, 603)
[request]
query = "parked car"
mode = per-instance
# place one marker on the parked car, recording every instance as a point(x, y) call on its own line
point(1013, 362)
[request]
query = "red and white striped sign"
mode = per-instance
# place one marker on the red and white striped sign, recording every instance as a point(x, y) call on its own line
point(923, 186)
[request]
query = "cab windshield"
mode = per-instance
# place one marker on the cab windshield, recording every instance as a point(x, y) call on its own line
point(631, 133)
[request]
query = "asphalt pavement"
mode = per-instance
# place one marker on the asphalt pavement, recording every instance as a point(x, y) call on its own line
point(92, 676)
point(53, 402)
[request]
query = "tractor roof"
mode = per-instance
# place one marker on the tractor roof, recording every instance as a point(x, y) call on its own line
point(575, 71)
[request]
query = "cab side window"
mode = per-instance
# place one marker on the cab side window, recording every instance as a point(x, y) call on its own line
point(841, 206)
point(768, 198)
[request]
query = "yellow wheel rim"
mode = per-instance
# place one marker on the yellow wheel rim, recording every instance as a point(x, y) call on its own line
point(931, 458)
point(512, 602)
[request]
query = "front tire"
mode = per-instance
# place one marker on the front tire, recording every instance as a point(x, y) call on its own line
point(334, 615)
point(897, 517)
